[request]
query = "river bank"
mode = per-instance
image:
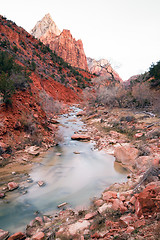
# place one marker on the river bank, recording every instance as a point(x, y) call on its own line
point(122, 211)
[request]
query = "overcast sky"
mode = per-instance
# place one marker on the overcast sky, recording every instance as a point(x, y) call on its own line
point(126, 32)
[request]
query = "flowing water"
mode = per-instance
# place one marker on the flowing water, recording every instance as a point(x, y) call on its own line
point(73, 172)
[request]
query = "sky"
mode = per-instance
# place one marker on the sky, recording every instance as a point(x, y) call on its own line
point(125, 32)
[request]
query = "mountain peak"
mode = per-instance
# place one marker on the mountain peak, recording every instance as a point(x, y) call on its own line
point(63, 43)
point(46, 24)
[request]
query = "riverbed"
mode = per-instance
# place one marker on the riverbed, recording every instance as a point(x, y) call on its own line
point(73, 172)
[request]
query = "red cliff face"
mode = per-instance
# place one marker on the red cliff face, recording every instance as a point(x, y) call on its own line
point(62, 43)
point(68, 48)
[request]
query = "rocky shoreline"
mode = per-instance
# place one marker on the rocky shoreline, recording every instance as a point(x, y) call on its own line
point(129, 210)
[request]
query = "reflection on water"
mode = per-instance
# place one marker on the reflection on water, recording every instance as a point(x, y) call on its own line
point(69, 177)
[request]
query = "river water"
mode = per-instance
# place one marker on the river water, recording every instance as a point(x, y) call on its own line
point(73, 172)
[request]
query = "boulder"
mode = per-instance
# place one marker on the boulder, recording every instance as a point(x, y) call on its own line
point(126, 154)
point(138, 135)
point(80, 137)
point(78, 226)
point(81, 113)
point(38, 236)
point(108, 195)
point(99, 202)
point(130, 229)
point(148, 199)
point(33, 150)
point(118, 205)
point(3, 147)
point(89, 216)
point(17, 236)
point(104, 207)
point(138, 208)
point(139, 223)
point(53, 121)
point(3, 234)
point(12, 186)
point(2, 195)
point(41, 183)
point(126, 220)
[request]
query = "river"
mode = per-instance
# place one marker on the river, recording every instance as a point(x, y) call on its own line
point(73, 172)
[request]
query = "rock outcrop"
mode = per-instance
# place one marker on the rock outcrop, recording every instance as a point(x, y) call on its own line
point(45, 27)
point(102, 67)
point(62, 43)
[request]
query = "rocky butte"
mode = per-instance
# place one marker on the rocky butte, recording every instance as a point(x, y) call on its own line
point(62, 43)
point(102, 67)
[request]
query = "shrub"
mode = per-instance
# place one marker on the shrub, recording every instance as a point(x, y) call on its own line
point(7, 88)
point(15, 49)
point(33, 66)
point(6, 63)
point(49, 105)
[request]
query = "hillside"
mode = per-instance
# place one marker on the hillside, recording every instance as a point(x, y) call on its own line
point(41, 81)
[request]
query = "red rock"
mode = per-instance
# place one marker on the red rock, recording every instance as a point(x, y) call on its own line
point(3, 234)
point(35, 115)
point(138, 208)
point(80, 137)
point(99, 202)
point(12, 186)
point(122, 198)
point(95, 235)
point(126, 220)
point(118, 205)
point(81, 113)
point(104, 207)
point(138, 135)
point(89, 216)
point(139, 223)
point(130, 229)
point(17, 236)
point(39, 220)
point(126, 154)
point(54, 121)
point(38, 236)
point(156, 162)
point(2, 195)
point(41, 183)
point(108, 195)
point(132, 200)
point(3, 146)
point(146, 199)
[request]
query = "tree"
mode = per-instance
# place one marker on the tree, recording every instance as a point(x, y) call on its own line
point(155, 73)
point(6, 63)
point(6, 88)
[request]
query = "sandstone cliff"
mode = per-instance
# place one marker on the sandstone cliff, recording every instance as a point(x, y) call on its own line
point(102, 68)
point(62, 43)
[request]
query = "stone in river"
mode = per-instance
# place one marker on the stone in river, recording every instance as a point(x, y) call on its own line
point(12, 186)
point(41, 183)
point(17, 236)
point(2, 195)
point(80, 137)
point(3, 234)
